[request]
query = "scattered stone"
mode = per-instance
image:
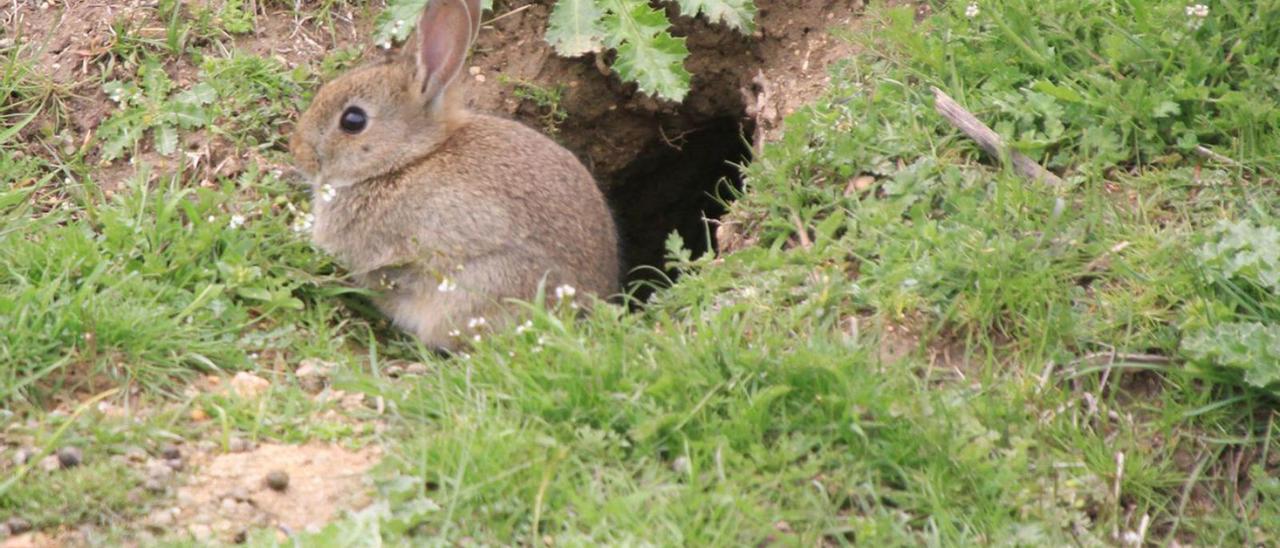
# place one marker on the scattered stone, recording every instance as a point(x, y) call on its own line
point(158, 470)
point(18, 526)
point(135, 454)
point(416, 369)
point(239, 445)
point(174, 464)
point(249, 386)
point(206, 446)
point(161, 519)
point(313, 375)
point(50, 463)
point(681, 465)
point(277, 480)
point(23, 456)
point(229, 505)
point(241, 537)
point(394, 371)
point(154, 485)
point(171, 452)
point(70, 456)
point(238, 494)
point(201, 532)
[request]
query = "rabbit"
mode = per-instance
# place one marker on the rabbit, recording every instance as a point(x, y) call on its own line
point(447, 214)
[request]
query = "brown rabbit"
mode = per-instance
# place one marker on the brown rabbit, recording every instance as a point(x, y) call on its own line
point(448, 214)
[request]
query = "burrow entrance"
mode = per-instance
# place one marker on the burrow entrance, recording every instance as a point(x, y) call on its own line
point(664, 166)
point(678, 186)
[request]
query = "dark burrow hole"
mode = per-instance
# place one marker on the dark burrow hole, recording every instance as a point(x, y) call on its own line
point(677, 184)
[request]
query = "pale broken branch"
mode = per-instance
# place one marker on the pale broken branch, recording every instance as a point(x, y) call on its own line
point(991, 142)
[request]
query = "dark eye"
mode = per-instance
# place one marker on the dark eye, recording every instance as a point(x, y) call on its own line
point(353, 120)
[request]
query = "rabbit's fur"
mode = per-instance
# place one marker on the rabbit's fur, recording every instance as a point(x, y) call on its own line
point(448, 214)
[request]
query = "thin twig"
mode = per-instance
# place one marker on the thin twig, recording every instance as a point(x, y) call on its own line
point(991, 142)
point(1111, 358)
point(1214, 156)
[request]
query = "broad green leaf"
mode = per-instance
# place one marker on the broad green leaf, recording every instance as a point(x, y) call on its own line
point(166, 139)
point(575, 27)
point(398, 21)
point(739, 15)
point(200, 94)
point(647, 54)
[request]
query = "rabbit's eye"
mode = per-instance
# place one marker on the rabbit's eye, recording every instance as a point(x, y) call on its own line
point(353, 120)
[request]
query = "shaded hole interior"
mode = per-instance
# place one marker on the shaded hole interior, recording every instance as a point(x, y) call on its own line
point(676, 185)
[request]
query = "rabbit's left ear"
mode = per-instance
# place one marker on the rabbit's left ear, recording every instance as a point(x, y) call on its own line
point(445, 34)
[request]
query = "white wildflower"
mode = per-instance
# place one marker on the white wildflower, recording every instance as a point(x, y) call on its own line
point(213, 219)
point(237, 221)
point(386, 45)
point(447, 286)
point(527, 325)
point(399, 24)
point(1198, 10)
point(455, 333)
point(304, 222)
point(565, 292)
point(972, 10)
point(476, 338)
point(476, 323)
point(328, 193)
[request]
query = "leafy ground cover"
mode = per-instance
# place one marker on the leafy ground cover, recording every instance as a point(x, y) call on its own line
point(908, 344)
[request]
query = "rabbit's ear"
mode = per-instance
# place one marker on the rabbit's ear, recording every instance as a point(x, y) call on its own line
point(445, 33)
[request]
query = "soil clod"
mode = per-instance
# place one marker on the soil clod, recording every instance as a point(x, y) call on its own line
point(70, 456)
point(18, 526)
point(277, 480)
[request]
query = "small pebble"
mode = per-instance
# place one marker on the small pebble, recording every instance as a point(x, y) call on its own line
point(50, 463)
point(277, 480)
point(18, 526)
point(416, 369)
point(158, 470)
point(239, 445)
point(238, 494)
point(174, 464)
point(681, 465)
point(206, 446)
point(160, 519)
point(135, 454)
point(394, 371)
point(23, 456)
point(228, 505)
point(70, 457)
point(171, 452)
point(201, 532)
point(153, 485)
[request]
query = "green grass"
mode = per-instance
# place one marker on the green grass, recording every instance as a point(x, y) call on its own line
point(1077, 358)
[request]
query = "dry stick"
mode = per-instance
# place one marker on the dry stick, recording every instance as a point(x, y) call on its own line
point(966, 122)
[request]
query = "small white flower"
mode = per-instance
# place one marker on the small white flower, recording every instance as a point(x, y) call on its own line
point(328, 193)
point(304, 222)
point(527, 325)
point(399, 24)
point(447, 286)
point(1198, 10)
point(476, 323)
point(565, 292)
point(386, 45)
point(476, 338)
point(237, 221)
point(455, 333)
point(972, 11)
point(212, 219)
